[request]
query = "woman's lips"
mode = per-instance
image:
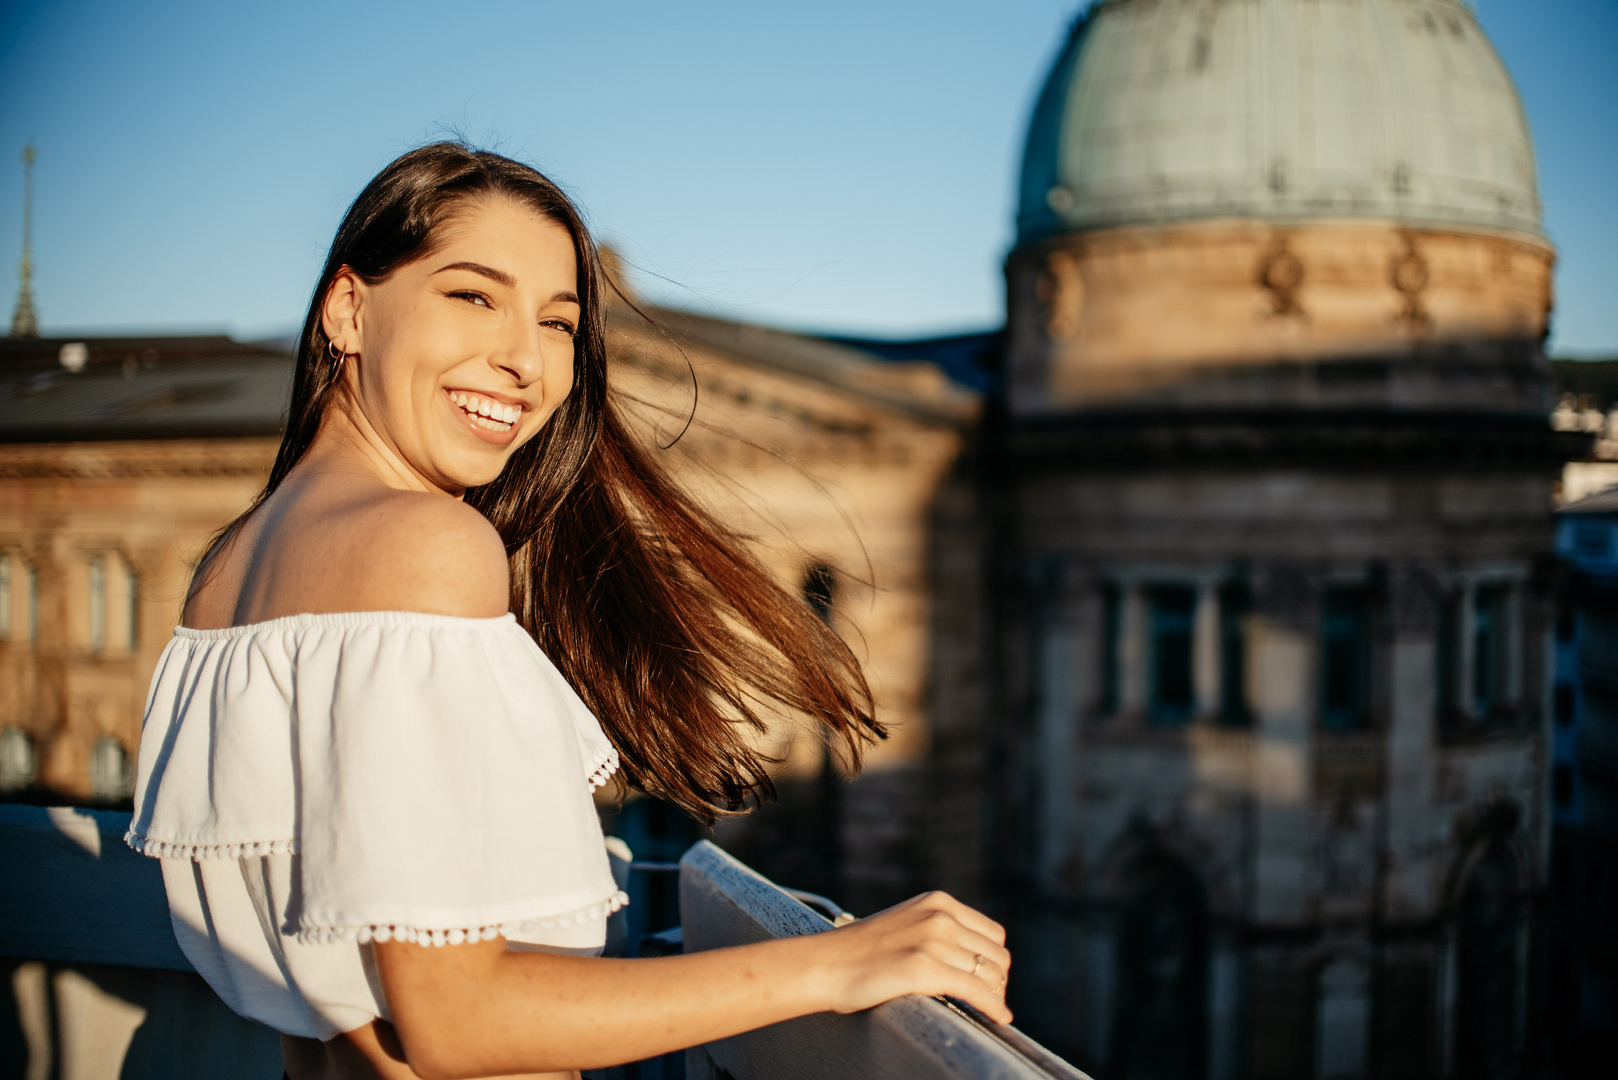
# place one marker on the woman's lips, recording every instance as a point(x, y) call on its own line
point(488, 418)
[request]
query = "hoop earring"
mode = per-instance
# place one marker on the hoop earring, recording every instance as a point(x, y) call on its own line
point(336, 353)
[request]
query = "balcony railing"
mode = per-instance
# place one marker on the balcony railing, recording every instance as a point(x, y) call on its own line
point(96, 977)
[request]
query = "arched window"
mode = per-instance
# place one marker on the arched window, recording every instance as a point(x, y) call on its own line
point(1488, 1030)
point(1173, 613)
point(1345, 660)
point(820, 589)
point(111, 778)
point(17, 760)
point(1161, 1006)
point(98, 604)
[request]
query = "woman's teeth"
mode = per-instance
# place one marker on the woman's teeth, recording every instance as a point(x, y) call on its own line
point(486, 412)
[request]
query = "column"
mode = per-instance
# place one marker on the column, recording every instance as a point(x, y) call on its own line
point(1205, 671)
point(1282, 652)
point(1466, 643)
point(1132, 651)
point(1511, 636)
point(1056, 728)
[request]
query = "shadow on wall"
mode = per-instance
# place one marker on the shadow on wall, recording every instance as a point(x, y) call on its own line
point(103, 1022)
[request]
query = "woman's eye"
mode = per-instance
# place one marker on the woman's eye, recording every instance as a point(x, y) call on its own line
point(560, 324)
point(472, 297)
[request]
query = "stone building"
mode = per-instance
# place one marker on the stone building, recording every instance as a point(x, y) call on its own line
point(1211, 601)
point(1267, 524)
point(1582, 923)
point(119, 458)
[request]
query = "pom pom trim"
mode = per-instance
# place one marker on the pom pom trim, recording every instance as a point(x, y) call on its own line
point(602, 768)
point(460, 935)
point(160, 849)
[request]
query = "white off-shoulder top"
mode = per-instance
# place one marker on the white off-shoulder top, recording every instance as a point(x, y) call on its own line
point(316, 783)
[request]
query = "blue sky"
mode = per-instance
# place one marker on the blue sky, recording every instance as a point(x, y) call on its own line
point(843, 166)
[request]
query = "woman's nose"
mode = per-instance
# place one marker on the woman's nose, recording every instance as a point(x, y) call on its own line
point(523, 355)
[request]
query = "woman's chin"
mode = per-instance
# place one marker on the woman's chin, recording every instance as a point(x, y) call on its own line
point(461, 472)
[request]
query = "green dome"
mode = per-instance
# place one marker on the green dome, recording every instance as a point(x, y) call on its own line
point(1163, 111)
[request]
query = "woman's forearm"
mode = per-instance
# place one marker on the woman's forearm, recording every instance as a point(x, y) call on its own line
point(480, 1010)
point(483, 1011)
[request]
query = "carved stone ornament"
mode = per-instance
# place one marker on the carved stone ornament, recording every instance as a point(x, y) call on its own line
point(1409, 275)
point(1280, 272)
point(1061, 295)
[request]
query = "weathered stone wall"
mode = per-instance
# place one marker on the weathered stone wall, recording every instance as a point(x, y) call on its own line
point(1114, 314)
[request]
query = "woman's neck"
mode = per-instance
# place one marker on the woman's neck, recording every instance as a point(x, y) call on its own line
point(348, 442)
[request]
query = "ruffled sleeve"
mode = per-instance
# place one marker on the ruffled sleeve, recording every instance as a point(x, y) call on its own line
point(433, 775)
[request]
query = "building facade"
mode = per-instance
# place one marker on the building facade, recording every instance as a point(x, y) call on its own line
point(1212, 602)
point(1582, 927)
point(1271, 576)
point(120, 458)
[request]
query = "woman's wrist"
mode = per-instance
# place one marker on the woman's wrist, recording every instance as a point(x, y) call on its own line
point(812, 959)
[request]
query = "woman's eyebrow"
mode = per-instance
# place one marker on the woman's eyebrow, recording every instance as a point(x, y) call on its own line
point(487, 271)
point(565, 298)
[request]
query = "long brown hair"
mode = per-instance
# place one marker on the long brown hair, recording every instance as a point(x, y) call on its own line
point(672, 633)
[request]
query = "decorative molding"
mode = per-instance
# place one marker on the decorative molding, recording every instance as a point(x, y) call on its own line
point(166, 458)
point(1281, 274)
point(1410, 275)
point(1060, 289)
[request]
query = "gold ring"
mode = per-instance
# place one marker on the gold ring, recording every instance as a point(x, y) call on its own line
point(977, 962)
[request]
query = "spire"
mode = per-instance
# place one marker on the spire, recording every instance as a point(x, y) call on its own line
point(24, 322)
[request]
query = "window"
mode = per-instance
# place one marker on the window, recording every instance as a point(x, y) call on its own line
point(819, 590)
point(1563, 704)
point(1233, 607)
point(1345, 661)
point(1488, 1005)
point(5, 597)
point(98, 604)
point(17, 760)
point(1161, 974)
point(1172, 611)
point(1567, 624)
point(1488, 626)
point(1111, 618)
point(1592, 539)
point(110, 775)
point(1562, 785)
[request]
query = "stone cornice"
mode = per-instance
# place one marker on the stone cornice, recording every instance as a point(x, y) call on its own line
point(168, 458)
point(1332, 441)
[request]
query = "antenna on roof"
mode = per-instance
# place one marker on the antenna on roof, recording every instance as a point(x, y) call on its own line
point(24, 322)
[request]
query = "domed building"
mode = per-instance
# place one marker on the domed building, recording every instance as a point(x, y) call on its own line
point(1266, 522)
point(1213, 624)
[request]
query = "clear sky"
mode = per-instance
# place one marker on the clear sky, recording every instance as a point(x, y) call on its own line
point(846, 165)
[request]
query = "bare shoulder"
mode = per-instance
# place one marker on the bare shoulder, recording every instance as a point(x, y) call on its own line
point(408, 551)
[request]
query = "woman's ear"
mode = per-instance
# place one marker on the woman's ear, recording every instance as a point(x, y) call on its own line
point(340, 313)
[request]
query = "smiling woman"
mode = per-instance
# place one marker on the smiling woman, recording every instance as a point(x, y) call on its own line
point(466, 598)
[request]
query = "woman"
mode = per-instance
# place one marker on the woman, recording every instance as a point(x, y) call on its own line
point(354, 753)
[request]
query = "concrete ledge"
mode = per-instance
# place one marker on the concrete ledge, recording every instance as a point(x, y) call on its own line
point(722, 903)
point(72, 891)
